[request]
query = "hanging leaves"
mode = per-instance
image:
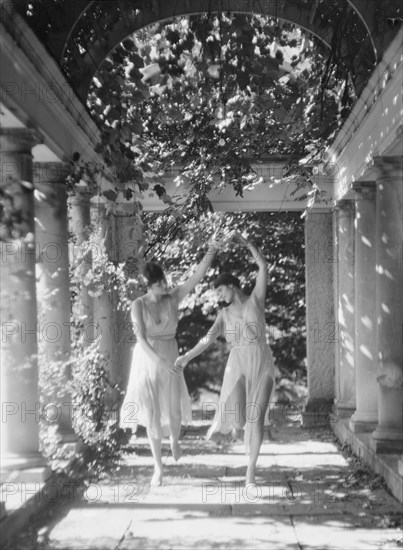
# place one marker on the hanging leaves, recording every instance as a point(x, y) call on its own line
point(214, 94)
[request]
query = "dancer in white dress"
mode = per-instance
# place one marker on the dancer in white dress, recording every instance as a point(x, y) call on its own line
point(249, 374)
point(157, 396)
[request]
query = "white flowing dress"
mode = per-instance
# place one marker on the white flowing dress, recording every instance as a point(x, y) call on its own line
point(250, 360)
point(150, 392)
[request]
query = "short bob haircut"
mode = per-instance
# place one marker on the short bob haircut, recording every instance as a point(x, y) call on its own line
point(226, 279)
point(153, 273)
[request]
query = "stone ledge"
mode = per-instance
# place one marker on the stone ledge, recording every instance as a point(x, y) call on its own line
point(384, 464)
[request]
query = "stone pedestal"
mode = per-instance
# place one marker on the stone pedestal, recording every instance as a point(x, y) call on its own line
point(321, 327)
point(53, 287)
point(366, 415)
point(19, 368)
point(345, 311)
point(388, 436)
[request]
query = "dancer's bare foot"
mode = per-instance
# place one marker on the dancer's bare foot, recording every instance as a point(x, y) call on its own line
point(176, 450)
point(236, 434)
point(156, 480)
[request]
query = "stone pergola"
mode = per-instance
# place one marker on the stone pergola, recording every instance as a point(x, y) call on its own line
point(353, 243)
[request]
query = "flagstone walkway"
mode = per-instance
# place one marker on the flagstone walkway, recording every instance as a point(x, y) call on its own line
point(309, 496)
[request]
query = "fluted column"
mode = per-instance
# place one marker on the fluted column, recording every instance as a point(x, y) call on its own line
point(19, 369)
point(320, 256)
point(345, 310)
point(366, 364)
point(79, 223)
point(388, 436)
point(53, 285)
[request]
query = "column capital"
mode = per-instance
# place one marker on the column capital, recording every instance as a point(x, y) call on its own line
point(346, 205)
point(364, 190)
point(51, 172)
point(124, 209)
point(388, 167)
point(80, 196)
point(19, 140)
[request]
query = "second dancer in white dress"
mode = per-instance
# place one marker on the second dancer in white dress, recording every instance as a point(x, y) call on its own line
point(249, 374)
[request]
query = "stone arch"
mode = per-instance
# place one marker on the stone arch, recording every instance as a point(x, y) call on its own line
point(372, 19)
point(293, 12)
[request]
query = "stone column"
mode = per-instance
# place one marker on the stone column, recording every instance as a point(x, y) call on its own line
point(345, 313)
point(128, 239)
point(79, 224)
point(53, 286)
point(388, 436)
point(105, 303)
point(19, 369)
point(366, 364)
point(320, 255)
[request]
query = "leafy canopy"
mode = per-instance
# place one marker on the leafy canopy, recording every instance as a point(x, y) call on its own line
point(214, 94)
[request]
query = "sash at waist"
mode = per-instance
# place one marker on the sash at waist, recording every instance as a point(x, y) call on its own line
point(162, 337)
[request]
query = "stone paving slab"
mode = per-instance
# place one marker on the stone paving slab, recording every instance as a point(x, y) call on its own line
point(92, 527)
point(203, 533)
point(340, 534)
point(307, 498)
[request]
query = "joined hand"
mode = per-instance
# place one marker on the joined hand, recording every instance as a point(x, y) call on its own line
point(181, 361)
point(171, 367)
point(238, 237)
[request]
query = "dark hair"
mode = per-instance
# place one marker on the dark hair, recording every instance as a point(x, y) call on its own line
point(226, 279)
point(153, 273)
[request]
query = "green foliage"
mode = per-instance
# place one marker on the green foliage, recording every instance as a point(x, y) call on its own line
point(14, 196)
point(280, 236)
point(85, 175)
point(84, 374)
point(213, 94)
point(83, 379)
point(100, 275)
point(94, 420)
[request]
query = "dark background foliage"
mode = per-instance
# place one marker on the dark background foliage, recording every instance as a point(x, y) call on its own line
point(280, 236)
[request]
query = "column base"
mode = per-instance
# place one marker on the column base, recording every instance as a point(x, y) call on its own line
point(67, 436)
point(317, 413)
point(344, 410)
point(362, 422)
point(387, 441)
point(24, 468)
point(27, 476)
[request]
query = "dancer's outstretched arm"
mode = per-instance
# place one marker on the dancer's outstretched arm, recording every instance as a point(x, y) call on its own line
point(182, 290)
point(204, 343)
point(261, 279)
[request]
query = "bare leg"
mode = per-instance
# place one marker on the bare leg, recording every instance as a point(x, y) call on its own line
point(175, 417)
point(235, 408)
point(155, 445)
point(257, 426)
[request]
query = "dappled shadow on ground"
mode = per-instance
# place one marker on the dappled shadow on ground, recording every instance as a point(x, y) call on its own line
point(307, 494)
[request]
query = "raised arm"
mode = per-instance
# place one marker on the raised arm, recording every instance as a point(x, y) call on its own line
point(204, 343)
point(182, 290)
point(138, 320)
point(261, 279)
